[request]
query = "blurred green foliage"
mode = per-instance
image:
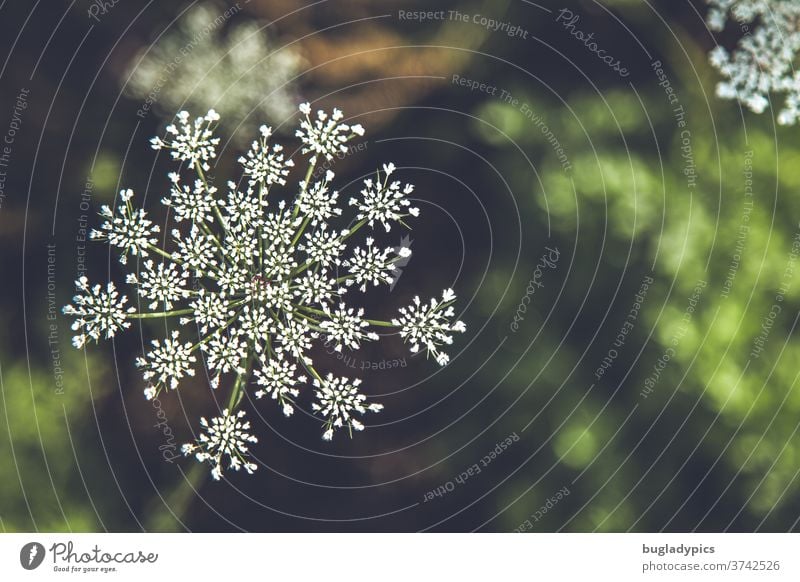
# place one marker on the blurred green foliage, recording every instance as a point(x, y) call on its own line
point(741, 412)
point(45, 433)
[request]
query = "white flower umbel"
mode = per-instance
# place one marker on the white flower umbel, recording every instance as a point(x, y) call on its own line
point(253, 283)
point(195, 204)
point(167, 363)
point(264, 165)
point(428, 325)
point(278, 378)
point(99, 312)
point(765, 58)
point(163, 284)
point(337, 400)
point(345, 327)
point(128, 229)
point(191, 142)
point(325, 135)
point(371, 265)
point(224, 436)
point(384, 201)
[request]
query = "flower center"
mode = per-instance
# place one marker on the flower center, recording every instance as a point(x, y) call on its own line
point(259, 281)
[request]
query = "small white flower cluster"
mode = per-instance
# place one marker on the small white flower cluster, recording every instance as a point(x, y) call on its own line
point(168, 362)
point(224, 435)
point(325, 135)
point(264, 165)
point(429, 325)
point(191, 142)
point(99, 312)
point(763, 60)
point(384, 201)
point(337, 399)
point(260, 280)
point(128, 229)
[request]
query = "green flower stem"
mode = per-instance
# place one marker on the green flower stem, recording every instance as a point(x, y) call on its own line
point(177, 499)
point(314, 324)
point(370, 321)
point(309, 173)
point(353, 230)
point(163, 253)
point(380, 323)
point(196, 346)
point(154, 315)
point(308, 317)
point(241, 380)
point(300, 231)
point(306, 182)
point(208, 231)
point(198, 168)
point(300, 269)
point(217, 213)
point(397, 258)
point(313, 372)
point(269, 345)
point(259, 233)
point(310, 309)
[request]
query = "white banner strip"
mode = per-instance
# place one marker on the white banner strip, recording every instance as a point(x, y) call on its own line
point(400, 557)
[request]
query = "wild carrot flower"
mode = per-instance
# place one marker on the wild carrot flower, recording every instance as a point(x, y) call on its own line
point(250, 281)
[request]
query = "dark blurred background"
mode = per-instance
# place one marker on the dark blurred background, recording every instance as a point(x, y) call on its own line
point(684, 429)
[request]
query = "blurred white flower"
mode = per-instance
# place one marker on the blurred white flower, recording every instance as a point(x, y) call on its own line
point(763, 60)
point(216, 57)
